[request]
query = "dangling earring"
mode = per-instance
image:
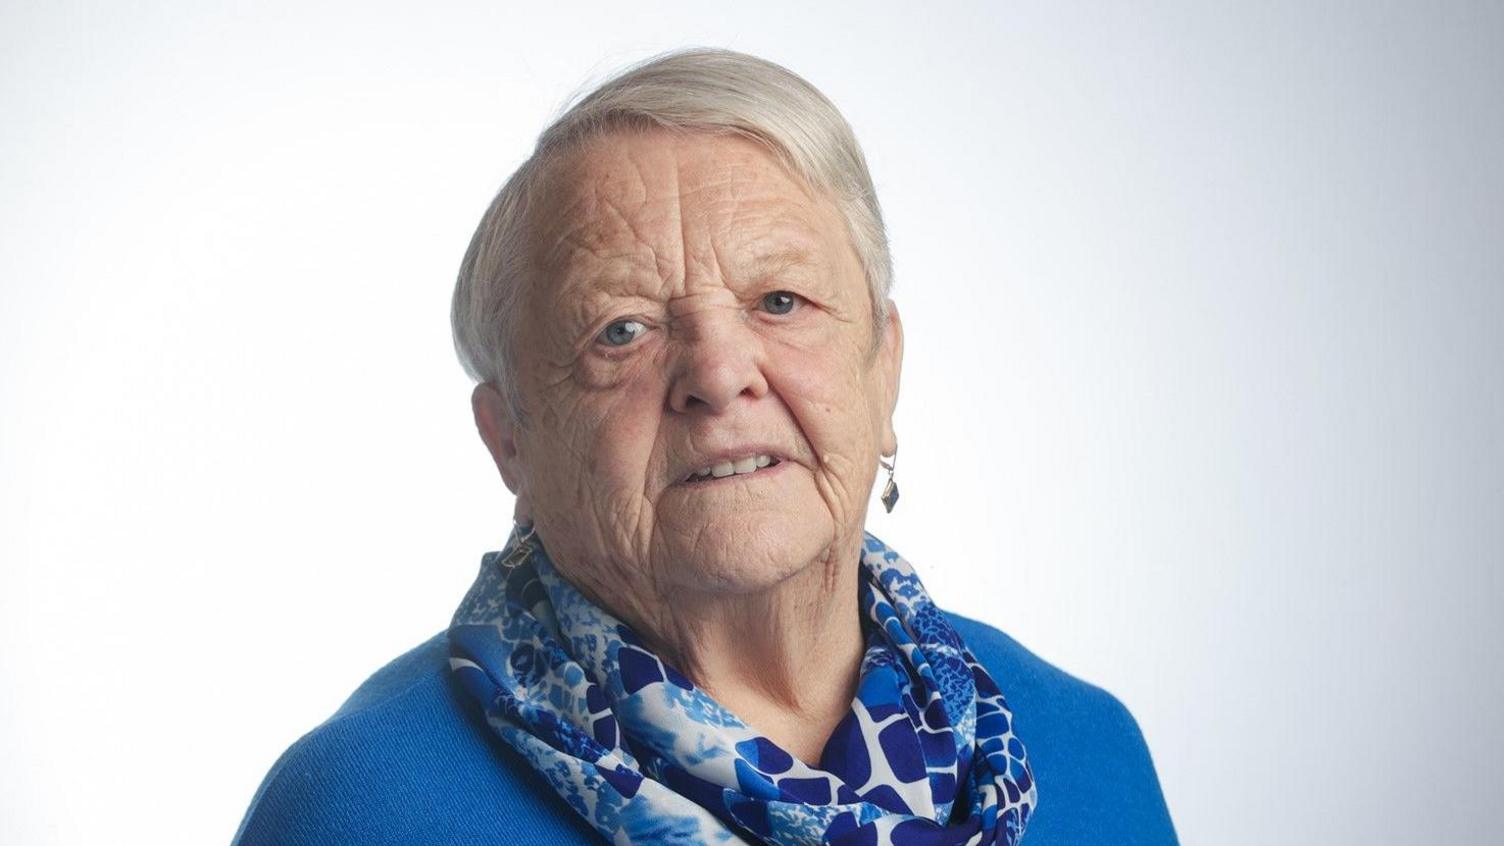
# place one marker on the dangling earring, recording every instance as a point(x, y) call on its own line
point(890, 490)
point(523, 542)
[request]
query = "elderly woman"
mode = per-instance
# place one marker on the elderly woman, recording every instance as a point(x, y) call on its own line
point(677, 312)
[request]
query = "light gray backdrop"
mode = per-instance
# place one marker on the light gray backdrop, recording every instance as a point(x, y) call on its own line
point(1201, 401)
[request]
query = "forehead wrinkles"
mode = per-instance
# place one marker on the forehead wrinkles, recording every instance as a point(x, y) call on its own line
point(669, 210)
point(600, 218)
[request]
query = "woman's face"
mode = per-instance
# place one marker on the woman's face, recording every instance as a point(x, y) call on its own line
point(691, 305)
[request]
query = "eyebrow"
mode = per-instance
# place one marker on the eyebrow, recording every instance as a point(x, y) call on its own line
point(772, 263)
point(621, 276)
point(615, 272)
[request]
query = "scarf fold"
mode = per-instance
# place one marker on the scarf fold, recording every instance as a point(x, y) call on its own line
point(926, 755)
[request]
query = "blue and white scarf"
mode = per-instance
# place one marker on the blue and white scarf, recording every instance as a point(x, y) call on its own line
point(926, 755)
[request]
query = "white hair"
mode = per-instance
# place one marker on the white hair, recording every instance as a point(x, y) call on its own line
point(698, 90)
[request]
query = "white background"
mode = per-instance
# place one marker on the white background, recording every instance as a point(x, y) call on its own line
point(1202, 399)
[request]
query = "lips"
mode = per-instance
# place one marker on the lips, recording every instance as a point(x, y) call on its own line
point(744, 465)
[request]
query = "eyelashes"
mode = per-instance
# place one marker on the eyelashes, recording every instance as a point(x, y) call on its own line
point(782, 302)
point(619, 333)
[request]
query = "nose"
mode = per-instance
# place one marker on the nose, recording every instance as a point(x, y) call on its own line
point(716, 365)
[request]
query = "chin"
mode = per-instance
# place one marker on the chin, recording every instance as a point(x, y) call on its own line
point(747, 553)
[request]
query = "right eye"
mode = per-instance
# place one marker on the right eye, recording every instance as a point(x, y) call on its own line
point(619, 333)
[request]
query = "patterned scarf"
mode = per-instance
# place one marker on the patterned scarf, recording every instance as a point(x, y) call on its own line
point(926, 755)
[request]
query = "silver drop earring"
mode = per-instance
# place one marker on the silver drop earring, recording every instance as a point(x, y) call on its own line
point(522, 548)
point(890, 490)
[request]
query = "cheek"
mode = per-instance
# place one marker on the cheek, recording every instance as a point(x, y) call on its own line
point(602, 426)
point(603, 370)
point(828, 396)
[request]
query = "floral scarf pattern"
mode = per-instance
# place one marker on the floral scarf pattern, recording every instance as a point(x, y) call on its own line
point(926, 754)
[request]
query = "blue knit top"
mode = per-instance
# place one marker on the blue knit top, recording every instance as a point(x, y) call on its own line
point(409, 759)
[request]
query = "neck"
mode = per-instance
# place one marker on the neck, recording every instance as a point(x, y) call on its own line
point(785, 660)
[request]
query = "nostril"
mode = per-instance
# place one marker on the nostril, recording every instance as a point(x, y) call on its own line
point(687, 402)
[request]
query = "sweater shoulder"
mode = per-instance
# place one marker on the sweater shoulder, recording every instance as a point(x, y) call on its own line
point(402, 761)
point(1096, 777)
point(1025, 675)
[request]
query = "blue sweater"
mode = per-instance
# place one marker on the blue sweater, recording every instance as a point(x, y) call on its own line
point(409, 759)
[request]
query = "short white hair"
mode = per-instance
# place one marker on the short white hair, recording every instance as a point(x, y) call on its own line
point(697, 90)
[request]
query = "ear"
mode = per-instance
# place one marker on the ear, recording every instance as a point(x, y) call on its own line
point(493, 417)
point(890, 363)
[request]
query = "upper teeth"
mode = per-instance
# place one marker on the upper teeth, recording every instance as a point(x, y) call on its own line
point(737, 467)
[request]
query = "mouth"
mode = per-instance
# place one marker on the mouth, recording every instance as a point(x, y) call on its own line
point(750, 465)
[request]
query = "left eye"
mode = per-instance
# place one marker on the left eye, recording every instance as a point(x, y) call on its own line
point(781, 302)
point(619, 333)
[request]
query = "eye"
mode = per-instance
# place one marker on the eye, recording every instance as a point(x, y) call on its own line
point(619, 333)
point(781, 302)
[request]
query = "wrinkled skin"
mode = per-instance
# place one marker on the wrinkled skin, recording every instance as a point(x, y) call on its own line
point(747, 583)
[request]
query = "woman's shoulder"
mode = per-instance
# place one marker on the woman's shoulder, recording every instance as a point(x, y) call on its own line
point(1096, 778)
point(402, 762)
point(1024, 675)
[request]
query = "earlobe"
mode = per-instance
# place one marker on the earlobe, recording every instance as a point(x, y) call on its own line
point(892, 363)
point(493, 418)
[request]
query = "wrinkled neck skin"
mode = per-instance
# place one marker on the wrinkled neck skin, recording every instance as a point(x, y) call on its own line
point(784, 659)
